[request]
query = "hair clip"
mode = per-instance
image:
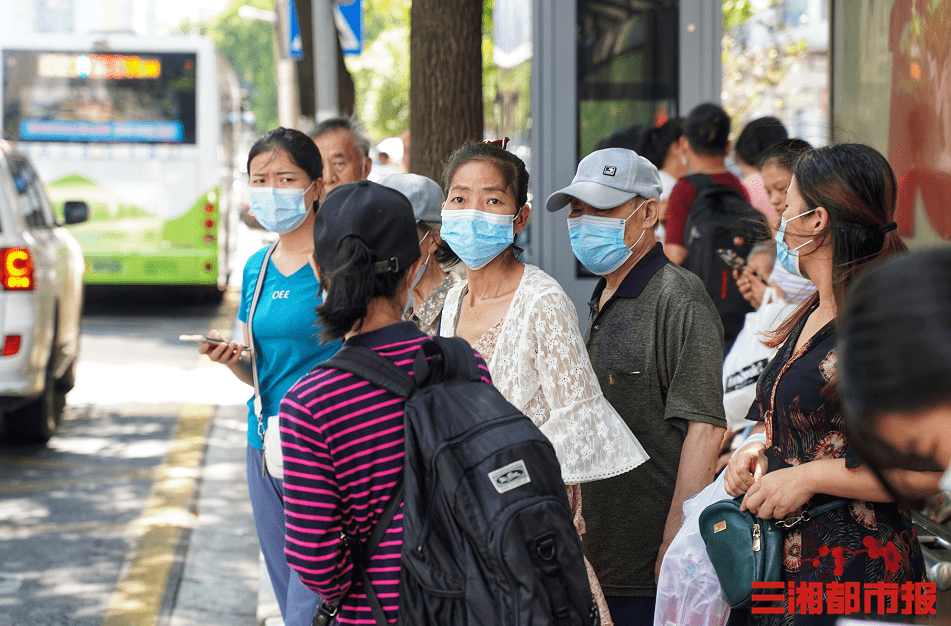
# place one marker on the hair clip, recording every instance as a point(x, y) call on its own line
point(502, 143)
point(887, 228)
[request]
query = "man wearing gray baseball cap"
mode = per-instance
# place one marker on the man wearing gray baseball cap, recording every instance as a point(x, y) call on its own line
point(431, 283)
point(656, 344)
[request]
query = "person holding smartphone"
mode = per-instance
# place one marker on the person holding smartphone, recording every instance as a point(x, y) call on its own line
point(284, 169)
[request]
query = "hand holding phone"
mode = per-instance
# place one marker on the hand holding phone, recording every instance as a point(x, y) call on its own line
point(735, 262)
point(199, 339)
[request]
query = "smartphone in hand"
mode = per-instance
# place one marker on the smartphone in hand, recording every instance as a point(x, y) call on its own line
point(203, 339)
point(735, 262)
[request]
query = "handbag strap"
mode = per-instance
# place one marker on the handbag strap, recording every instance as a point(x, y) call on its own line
point(792, 522)
point(258, 404)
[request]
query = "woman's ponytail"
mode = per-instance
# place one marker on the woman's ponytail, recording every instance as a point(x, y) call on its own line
point(349, 290)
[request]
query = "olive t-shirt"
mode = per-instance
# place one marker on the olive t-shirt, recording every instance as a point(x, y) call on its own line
point(657, 349)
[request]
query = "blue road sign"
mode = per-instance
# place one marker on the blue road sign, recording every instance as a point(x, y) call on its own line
point(295, 49)
point(348, 16)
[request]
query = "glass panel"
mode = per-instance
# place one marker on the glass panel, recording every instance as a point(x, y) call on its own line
point(893, 91)
point(509, 113)
point(627, 72)
point(776, 63)
point(31, 194)
point(627, 68)
point(123, 97)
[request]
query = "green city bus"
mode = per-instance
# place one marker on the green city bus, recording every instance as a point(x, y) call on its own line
point(147, 131)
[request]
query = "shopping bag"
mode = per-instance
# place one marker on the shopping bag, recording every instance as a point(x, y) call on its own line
point(749, 356)
point(688, 590)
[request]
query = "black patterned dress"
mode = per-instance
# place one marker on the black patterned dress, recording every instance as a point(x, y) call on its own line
point(861, 542)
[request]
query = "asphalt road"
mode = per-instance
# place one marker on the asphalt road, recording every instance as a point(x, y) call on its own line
point(135, 512)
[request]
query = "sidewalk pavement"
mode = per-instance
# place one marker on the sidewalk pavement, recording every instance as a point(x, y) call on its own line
point(222, 581)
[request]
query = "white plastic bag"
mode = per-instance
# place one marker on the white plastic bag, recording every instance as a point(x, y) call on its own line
point(688, 590)
point(749, 356)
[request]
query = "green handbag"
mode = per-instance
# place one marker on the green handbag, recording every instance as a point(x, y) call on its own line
point(742, 548)
point(745, 549)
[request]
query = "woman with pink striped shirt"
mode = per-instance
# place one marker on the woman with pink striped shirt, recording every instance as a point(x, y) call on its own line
point(343, 436)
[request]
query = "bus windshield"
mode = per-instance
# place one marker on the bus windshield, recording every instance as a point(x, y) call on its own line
point(115, 97)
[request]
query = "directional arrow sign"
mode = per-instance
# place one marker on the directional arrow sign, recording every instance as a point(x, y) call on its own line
point(295, 48)
point(348, 17)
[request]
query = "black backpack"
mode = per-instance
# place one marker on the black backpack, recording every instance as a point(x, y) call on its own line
point(721, 219)
point(488, 536)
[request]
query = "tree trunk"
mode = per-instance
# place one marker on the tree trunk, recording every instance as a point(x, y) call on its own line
point(445, 81)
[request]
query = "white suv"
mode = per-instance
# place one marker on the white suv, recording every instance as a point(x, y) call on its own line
point(41, 298)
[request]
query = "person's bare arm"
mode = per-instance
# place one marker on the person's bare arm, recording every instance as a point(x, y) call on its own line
point(697, 461)
point(230, 354)
point(777, 494)
point(675, 252)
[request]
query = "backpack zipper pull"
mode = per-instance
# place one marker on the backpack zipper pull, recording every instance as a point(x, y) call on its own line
point(757, 541)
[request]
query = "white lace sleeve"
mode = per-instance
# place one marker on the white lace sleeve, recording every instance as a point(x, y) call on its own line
point(591, 440)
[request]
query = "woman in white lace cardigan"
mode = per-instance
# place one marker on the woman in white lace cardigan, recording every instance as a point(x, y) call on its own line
point(525, 326)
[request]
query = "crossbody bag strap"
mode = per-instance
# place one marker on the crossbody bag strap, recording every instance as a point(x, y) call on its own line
point(258, 404)
point(792, 522)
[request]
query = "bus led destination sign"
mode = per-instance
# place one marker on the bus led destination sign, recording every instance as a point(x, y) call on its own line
point(116, 66)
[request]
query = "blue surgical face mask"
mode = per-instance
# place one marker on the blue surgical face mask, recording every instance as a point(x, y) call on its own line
point(410, 303)
point(475, 236)
point(422, 268)
point(789, 259)
point(279, 210)
point(598, 242)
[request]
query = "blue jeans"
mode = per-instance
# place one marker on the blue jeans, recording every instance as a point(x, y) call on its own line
point(298, 603)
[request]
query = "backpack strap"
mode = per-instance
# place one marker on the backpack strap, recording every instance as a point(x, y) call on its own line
point(445, 358)
point(701, 182)
point(372, 367)
point(382, 372)
point(360, 559)
point(361, 554)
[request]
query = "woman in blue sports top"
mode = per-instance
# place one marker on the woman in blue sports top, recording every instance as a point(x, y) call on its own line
point(284, 169)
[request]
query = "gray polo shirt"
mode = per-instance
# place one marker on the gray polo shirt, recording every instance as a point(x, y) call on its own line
point(657, 349)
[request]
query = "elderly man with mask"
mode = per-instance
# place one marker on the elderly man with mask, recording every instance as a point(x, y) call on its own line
point(344, 147)
point(656, 344)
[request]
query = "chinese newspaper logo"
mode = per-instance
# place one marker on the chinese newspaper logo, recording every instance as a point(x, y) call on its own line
point(808, 598)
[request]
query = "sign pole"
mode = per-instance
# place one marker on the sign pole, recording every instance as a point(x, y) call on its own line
point(325, 60)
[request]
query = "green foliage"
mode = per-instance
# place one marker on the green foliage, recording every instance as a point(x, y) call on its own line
point(381, 78)
point(736, 12)
point(754, 78)
point(249, 46)
point(381, 73)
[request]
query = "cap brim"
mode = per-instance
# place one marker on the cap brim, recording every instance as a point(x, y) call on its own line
point(597, 195)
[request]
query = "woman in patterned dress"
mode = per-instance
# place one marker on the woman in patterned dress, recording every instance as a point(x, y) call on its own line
point(838, 220)
point(525, 326)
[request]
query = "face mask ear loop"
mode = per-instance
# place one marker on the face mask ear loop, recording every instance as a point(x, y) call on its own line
point(799, 246)
point(797, 217)
point(643, 231)
point(422, 268)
